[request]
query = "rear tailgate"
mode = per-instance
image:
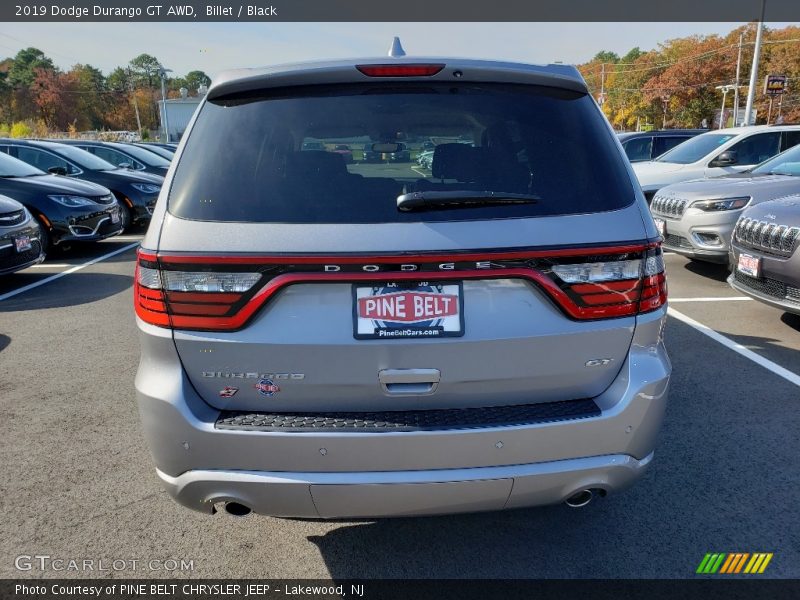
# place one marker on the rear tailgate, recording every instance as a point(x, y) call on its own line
point(300, 350)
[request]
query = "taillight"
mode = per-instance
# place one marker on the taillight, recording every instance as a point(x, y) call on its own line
point(613, 287)
point(406, 70)
point(222, 293)
point(189, 299)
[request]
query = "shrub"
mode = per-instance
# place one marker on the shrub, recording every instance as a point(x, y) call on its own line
point(20, 129)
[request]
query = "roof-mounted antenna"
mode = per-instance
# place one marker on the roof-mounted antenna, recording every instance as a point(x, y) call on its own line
point(396, 50)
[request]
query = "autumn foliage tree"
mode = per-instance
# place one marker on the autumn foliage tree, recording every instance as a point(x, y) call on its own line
point(676, 83)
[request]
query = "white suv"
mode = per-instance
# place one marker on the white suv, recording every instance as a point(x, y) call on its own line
point(715, 153)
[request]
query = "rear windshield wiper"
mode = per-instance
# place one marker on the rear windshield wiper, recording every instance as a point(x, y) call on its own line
point(460, 199)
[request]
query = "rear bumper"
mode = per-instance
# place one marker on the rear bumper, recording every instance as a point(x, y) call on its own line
point(346, 474)
point(404, 493)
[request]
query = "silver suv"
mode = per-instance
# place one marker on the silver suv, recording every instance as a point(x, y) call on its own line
point(696, 218)
point(331, 338)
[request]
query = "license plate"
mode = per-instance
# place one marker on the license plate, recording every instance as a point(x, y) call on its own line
point(661, 226)
point(115, 217)
point(749, 265)
point(22, 243)
point(422, 309)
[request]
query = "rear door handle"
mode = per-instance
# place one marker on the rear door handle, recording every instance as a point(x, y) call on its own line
point(398, 382)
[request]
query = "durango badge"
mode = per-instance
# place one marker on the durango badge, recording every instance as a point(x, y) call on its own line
point(265, 387)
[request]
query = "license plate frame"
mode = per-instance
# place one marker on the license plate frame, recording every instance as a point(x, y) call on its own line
point(444, 296)
point(23, 243)
point(749, 265)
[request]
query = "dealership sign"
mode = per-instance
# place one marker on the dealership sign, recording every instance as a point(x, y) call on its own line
point(775, 85)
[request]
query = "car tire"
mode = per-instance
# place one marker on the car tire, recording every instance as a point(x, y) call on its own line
point(44, 237)
point(125, 216)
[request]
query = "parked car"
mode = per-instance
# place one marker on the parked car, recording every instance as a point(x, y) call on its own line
point(647, 145)
point(316, 146)
point(764, 256)
point(67, 209)
point(345, 151)
point(19, 237)
point(136, 191)
point(124, 155)
point(362, 345)
point(165, 153)
point(696, 218)
point(425, 159)
point(383, 152)
point(716, 153)
point(167, 145)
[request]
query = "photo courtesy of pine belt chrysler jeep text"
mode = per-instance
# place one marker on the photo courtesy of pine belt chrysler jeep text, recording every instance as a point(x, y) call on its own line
point(334, 336)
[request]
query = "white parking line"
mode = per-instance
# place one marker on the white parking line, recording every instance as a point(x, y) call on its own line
point(721, 299)
point(25, 288)
point(50, 265)
point(788, 375)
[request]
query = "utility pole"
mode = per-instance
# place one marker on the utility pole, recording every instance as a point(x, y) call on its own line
point(736, 91)
point(725, 89)
point(603, 84)
point(164, 121)
point(135, 104)
point(751, 92)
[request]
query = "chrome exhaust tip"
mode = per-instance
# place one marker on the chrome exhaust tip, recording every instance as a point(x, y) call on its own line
point(236, 509)
point(579, 499)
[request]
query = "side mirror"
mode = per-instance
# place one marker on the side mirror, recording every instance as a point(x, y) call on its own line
point(57, 170)
point(124, 165)
point(725, 159)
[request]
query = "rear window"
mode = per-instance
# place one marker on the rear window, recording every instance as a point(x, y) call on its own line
point(271, 156)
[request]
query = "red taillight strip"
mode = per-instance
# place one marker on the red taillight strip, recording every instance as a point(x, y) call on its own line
point(204, 297)
point(626, 285)
point(394, 259)
point(605, 300)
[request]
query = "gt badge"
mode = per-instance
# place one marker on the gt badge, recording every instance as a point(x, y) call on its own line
point(265, 387)
point(228, 392)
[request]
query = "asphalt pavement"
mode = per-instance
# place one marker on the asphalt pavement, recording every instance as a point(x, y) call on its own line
point(78, 481)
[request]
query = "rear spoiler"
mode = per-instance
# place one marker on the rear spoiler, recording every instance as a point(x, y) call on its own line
point(339, 72)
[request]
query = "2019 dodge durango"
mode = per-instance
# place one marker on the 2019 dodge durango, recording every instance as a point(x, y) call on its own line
point(328, 340)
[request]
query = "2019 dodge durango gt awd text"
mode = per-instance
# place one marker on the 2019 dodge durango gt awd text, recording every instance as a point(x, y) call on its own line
point(323, 339)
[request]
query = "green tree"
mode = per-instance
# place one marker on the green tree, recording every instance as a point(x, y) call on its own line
point(22, 70)
point(144, 70)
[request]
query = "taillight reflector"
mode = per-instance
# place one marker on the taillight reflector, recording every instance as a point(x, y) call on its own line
point(399, 70)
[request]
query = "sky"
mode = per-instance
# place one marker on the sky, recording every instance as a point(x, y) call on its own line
point(214, 47)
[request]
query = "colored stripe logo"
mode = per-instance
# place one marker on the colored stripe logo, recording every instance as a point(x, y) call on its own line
point(731, 563)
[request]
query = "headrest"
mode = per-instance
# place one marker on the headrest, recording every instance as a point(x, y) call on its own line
point(457, 161)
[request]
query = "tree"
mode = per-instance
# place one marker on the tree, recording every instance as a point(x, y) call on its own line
point(55, 95)
point(605, 56)
point(91, 102)
point(194, 79)
point(696, 65)
point(144, 70)
point(21, 73)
